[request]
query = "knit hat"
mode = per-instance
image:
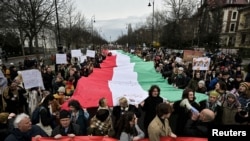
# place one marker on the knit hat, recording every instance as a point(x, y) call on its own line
point(202, 82)
point(180, 68)
point(61, 89)
point(102, 114)
point(3, 117)
point(64, 114)
point(214, 93)
point(233, 93)
point(245, 84)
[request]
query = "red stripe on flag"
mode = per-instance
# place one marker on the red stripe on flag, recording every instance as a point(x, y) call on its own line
point(90, 89)
point(103, 138)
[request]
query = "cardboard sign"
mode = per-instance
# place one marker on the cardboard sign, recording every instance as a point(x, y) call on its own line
point(61, 59)
point(32, 78)
point(76, 53)
point(188, 55)
point(90, 53)
point(201, 63)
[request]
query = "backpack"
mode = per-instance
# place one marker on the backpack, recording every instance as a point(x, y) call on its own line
point(35, 117)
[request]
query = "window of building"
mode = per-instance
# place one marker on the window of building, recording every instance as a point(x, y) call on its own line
point(232, 27)
point(247, 22)
point(243, 38)
point(234, 16)
point(231, 41)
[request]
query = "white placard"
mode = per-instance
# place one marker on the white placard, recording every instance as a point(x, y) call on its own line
point(76, 53)
point(82, 58)
point(61, 59)
point(90, 53)
point(201, 63)
point(32, 78)
point(178, 60)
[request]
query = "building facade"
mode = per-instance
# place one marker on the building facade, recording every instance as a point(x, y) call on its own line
point(243, 32)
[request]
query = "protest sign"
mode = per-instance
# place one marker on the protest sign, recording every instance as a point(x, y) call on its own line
point(61, 59)
point(32, 78)
point(188, 55)
point(76, 53)
point(201, 63)
point(82, 58)
point(90, 53)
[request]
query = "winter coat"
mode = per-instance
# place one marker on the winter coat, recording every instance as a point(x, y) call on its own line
point(17, 135)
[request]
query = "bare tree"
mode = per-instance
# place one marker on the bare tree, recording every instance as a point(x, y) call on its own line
point(179, 9)
point(73, 24)
point(30, 16)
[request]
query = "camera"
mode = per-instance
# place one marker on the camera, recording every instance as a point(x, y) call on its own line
point(245, 109)
point(243, 116)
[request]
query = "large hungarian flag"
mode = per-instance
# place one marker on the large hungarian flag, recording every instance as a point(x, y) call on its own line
point(123, 74)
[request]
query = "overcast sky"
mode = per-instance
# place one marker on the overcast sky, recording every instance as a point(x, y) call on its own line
point(112, 16)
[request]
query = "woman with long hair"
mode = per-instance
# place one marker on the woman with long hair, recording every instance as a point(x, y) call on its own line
point(182, 114)
point(149, 106)
point(127, 128)
point(79, 115)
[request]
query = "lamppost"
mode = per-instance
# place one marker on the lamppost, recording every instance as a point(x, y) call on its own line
point(92, 24)
point(59, 45)
point(153, 4)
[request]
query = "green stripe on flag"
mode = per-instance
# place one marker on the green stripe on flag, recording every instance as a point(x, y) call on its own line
point(147, 76)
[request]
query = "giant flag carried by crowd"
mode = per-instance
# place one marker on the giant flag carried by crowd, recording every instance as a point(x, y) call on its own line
point(123, 75)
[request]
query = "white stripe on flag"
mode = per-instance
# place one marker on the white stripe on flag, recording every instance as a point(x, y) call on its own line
point(125, 81)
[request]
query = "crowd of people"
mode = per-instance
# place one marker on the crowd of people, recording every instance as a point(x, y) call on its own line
point(36, 112)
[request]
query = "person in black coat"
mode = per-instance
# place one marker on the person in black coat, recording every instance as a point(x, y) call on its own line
point(66, 128)
point(123, 107)
point(149, 106)
point(198, 124)
point(182, 114)
point(47, 119)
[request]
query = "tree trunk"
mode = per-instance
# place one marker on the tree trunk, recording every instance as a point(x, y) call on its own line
point(22, 41)
point(36, 42)
point(31, 44)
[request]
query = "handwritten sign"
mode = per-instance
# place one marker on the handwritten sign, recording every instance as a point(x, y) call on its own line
point(201, 63)
point(82, 58)
point(61, 59)
point(32, 78)
point(90, 53)
point(76, 53)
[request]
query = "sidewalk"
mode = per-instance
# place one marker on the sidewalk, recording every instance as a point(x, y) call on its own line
point(16, 60)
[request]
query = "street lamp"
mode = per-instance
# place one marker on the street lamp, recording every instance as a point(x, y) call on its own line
point(153, 4)
point(59, 45)
point(92, 24)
